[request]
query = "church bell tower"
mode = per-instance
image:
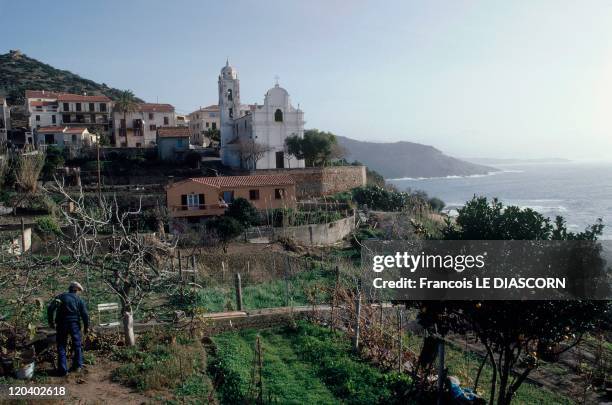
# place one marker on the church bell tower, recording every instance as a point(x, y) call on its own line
point(229, 108)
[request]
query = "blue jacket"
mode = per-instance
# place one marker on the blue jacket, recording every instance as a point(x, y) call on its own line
point(69, 307)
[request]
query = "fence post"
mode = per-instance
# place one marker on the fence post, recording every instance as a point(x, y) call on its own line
point(286, 281)
point(194, 276)
point(23, 238)
point(334, 298)
point(180, 264)
point(238, 292)
point(357, 317)
point(400, 318)
point(441, 370)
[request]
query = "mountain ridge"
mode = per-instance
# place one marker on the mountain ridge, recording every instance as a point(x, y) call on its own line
point(19, 72)
point(409, 159)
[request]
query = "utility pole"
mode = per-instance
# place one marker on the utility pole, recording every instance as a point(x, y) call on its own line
point(99, 177)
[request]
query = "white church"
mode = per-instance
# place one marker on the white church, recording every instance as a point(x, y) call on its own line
point(266, 126)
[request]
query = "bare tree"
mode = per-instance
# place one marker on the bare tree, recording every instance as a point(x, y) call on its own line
point(250, 152)
point(100, 239)
point(338, 151)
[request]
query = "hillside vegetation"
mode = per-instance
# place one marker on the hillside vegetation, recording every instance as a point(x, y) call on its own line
point(19, 72)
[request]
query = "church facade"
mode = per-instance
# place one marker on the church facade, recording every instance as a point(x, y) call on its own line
point(253, 135)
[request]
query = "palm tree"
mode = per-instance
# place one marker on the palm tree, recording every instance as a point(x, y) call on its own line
point(126, 103)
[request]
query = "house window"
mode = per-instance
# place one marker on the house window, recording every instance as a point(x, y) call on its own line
point(254, 195)
point(49, 139)
point(78, 106)
point(66, 118)
point(38, 118)
point(166, 121)
point(103, 107)
point(66, 107)
point(192, 201)
point(152, 127)
point(207, 124)
point(53, 119)
point(92, 107)
point(74, 138)
point(278, 115)
point(179, 143)
point(214, 125)
point(228, 197)
point(150, 116)
point(138, 144)
point(279, 193)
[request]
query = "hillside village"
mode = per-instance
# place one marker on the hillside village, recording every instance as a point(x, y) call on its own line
point(220, 254)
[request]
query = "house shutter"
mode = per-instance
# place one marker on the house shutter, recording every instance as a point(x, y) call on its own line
point(184, 201)
point(201, 200)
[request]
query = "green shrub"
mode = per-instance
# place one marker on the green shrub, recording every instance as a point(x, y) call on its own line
point(244, 212)
point(436, 204)
point(48, 226)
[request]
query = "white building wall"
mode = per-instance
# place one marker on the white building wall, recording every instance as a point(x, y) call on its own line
point(148, 139)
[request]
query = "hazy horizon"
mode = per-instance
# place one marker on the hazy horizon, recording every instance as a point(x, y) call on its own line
point(473, 79)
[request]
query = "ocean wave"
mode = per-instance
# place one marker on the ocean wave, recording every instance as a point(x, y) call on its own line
point(470, 176)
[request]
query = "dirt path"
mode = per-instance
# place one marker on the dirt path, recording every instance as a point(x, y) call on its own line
point(94, 386)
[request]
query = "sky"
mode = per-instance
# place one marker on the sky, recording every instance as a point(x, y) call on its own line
point(499, 79)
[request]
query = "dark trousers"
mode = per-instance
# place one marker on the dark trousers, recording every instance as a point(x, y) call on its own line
point(74, 330)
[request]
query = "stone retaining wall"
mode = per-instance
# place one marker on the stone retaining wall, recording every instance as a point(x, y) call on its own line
point(319, 181)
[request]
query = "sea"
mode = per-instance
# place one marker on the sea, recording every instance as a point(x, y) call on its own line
point(581, 192)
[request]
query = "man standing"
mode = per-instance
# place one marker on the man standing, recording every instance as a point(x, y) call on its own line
point(69, 310)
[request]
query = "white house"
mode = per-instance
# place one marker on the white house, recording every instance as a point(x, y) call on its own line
point(267, 125)
point(138, 129)
point(47, 108)
point(63, 136)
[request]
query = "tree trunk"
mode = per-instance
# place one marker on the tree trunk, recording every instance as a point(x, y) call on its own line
point(494, 377)
point(128, 328)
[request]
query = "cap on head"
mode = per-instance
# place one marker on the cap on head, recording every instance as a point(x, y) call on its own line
point(75, 286)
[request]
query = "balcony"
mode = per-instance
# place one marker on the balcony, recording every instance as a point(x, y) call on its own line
point(197, 210)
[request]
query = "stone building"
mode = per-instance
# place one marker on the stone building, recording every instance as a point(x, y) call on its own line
point(201, 122)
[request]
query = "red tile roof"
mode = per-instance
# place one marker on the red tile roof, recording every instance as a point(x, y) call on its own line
point(51, 129)
point(41, 94)
point(154, 107)
point(42, 103)
point(64, 96)
point(75, 130)
point(173, 132)
point(87, 99)
point(246, 181)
